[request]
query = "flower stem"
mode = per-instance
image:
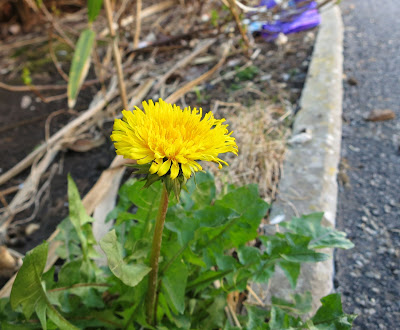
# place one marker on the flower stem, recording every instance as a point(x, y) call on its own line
point(154, 256)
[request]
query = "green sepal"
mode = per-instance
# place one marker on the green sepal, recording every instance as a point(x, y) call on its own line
point(150, 179)
point(140, 169)
point(176, 185)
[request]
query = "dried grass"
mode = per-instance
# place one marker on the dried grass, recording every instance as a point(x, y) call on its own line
point(261, 132)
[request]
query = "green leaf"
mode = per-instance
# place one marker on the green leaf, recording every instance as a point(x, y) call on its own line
point(251, 208)
point(27, 289)
point(306, 256)
point(249, 255)
point(204, 279)
point(174, 284)
point(200, 192)
point(77, 214)
point(130, 275)
point(330, 315)
point(41, 308)
point(70, 273)
point(322, 237)
point(291, 270)
point(279, 320)
point(256, 318)
point(291, 247)
point(147, 202)
point(94, 7)
point(80, 65)
point(82, 225)
point(300, 304)
point(216, 315)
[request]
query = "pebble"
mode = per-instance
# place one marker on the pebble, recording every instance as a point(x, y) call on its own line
point(31, 228)
point(26, 101)
point(373, 275)
point(376, 290)
point(387, 208)
point(360, 301)
point(375, 212)
point(381, 250)
point(369, 231)
point(285, 76)
point(14, 29)
point(371, 311)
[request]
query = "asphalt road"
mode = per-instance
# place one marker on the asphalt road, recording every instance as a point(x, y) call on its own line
point(369, 192)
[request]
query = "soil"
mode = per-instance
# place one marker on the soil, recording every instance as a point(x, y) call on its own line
point(277, 74)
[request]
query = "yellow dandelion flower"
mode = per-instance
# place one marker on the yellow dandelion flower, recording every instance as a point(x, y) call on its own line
point(171, 139)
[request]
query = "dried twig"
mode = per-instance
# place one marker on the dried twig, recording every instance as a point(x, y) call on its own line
point(201, 47)
point(22, 43)
point(233, 314)
point(233, 9)
point(256, 297)
point(54, 59)
point(116, 53)
point(159, 7)
point(44, 87)
point(57, 27)
point(186, 88)
point(22, 123)
point(138, 23)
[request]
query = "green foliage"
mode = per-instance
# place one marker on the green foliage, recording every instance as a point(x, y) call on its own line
point(29, 293)
point(204, 256)
point(94, 7)
point(247, 73)
point(214, 18)
point(80, 65)
point(130, 275)
point(26, 76)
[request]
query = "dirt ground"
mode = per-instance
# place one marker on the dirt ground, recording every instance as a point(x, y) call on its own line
point(275, 77)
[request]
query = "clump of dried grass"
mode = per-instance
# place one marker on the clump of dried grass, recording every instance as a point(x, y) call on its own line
point(261, 132)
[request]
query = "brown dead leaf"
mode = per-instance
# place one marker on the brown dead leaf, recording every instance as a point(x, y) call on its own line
point(381, 115)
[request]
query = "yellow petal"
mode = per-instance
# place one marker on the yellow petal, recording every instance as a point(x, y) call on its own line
point(174, 169)
point(164, 168)
point(155, 166)
point(186, 170)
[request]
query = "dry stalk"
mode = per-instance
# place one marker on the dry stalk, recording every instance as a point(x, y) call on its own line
point(116, 53)
point(54, 59)
point(138, 23)
point(233, 9)
point(154, 9)
point(56, 26)
point(188, 87)
point(201, 47)
point(260, 154)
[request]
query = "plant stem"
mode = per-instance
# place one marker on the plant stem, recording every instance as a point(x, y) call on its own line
point(154, 256)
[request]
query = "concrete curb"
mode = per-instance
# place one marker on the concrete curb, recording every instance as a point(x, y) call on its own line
point(309, 175)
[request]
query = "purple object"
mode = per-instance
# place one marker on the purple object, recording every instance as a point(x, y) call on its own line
point(294, 20)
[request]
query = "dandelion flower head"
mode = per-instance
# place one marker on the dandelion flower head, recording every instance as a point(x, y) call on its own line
point(171, 139)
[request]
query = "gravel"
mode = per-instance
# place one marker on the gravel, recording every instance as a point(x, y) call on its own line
point(369, 199)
